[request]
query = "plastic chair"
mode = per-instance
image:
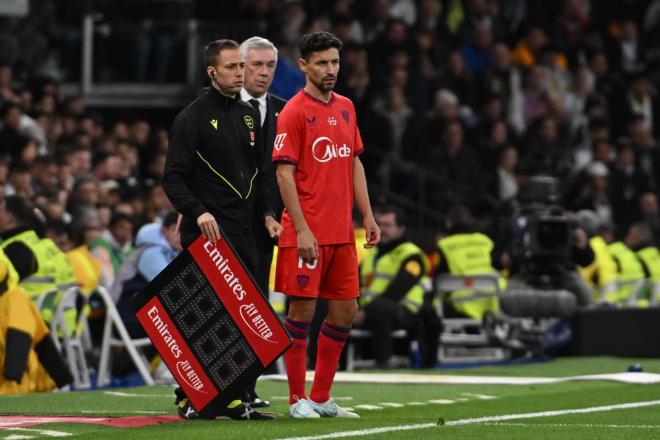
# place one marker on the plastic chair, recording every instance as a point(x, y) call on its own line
point(465, 339)
point(637, 290)
point(109, 341)
point(71, 339)
point(352, 360)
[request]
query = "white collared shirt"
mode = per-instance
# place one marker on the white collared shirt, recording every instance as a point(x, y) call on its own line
point(245, 96)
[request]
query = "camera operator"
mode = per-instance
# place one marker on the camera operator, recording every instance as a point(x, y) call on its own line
point(547, 247)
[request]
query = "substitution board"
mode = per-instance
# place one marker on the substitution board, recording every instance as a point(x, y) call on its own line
point(209, 322)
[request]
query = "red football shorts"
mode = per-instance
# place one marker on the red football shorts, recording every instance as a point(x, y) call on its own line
point(333, 276)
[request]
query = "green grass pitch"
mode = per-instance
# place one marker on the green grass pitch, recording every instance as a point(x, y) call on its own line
point(430, 410)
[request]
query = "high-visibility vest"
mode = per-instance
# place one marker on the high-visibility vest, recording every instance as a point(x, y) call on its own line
point(54, 270)
point(601, 274)
point(470, 254)
point(86, 268)
point(650, 256)
point(12, 280)
point(377, 274)
point(630, 269)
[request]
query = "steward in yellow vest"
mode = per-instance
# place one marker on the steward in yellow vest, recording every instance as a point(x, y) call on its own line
point(41, 266)
point(629, 269)
point(29, 360)
point(601, 274)
point(639, 239)
point(395, 291)
point(463, 253)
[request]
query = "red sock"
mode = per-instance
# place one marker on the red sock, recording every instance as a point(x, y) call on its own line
point(331, 343)
point(295, 359)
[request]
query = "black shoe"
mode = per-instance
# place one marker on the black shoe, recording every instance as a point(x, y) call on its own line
point(251, 398)
point(186, 410)
point(244, 412)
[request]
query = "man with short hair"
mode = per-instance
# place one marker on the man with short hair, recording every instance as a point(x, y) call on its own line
point(260, 56)
point(214, 175)
point(396, 292)
point(319, 173)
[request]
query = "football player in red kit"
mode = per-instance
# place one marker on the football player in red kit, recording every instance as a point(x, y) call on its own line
point(319, 172)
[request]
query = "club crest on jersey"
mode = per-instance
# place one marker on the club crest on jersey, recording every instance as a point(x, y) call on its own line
point(278, 143)
point(214, 123)
point(324, 150)
point(311, 121)
point(302, 280)
point(332, 121)
point(249, 122)
point(344, 114)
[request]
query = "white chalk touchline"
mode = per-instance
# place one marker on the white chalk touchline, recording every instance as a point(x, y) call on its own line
point(121, 394)
point(333, 397)
point(123, 412)
point(479, 396)
point(560, 412)
point(573, 425)
point(46, 432)
point(364, 432)
point(369, 407)
point(348, 377)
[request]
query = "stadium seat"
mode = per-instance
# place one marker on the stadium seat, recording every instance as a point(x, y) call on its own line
point(352, 360)
point(465, 339)
point(109, 341)
point(72, 340)
point(638, 290)
point(654, 293)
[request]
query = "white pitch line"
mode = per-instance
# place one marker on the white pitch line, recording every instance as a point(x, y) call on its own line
point(333, 397)
point(123, 412)
point(442, 401)
point(365, 432)
point(46, 432)
point(368, 407)
point(121, 394)
point(560, 412)
point(391, 404)
point(573, 425)
point(479, 396)
point(417, 403)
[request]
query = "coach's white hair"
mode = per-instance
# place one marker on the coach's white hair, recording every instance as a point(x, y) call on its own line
point(257, 43)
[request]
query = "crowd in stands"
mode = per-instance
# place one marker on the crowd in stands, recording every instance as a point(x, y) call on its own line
point(459, 102)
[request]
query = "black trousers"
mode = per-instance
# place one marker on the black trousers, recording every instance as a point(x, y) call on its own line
point(244, 248)
point(384, 315)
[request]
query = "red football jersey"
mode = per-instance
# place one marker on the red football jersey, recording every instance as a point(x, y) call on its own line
point(321, 139)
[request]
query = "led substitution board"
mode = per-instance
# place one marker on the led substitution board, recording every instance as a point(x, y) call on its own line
point(210, 324)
